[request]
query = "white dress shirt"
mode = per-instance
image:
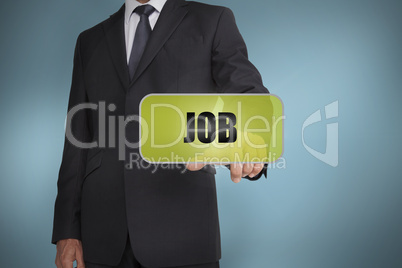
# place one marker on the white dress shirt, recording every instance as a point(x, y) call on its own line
point(131, 20)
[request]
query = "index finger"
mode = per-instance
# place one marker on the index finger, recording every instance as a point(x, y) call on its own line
point(236, 171)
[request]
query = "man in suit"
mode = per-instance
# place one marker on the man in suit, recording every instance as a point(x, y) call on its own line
point(114, 213)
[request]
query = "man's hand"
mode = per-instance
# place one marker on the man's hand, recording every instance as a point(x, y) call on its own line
point(237, 170)
point(69, 250)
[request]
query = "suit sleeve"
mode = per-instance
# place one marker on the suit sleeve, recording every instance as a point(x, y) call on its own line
point(67, 206)
point(231, 69)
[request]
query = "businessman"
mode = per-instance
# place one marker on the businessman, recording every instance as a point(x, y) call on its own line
point(111, 212)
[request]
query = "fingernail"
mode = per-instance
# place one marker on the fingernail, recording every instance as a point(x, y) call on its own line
point(251, 175)
point(237, 180)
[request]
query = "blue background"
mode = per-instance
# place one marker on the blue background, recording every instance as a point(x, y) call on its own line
point(310, 53)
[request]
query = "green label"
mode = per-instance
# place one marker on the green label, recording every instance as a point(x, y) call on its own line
point(211, 128)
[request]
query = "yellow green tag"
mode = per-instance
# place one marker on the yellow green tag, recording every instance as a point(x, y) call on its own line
point(211, 128)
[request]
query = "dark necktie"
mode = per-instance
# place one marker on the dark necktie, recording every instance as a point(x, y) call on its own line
point(141, 37)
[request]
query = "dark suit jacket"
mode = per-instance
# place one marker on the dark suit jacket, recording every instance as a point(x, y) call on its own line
point(171, 216)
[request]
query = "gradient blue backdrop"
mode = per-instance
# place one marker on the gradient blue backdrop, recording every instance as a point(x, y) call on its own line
point(310, 53)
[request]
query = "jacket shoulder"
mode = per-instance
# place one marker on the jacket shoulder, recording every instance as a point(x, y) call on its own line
point(204, 6)
point(97, 31)
point(206, 9)
point(90, 33)
point(94, 32)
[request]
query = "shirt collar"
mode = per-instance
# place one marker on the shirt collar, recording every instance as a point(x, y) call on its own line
point(132, 4)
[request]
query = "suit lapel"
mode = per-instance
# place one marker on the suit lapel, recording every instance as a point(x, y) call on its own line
point(170, 17)
point(114, 31)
